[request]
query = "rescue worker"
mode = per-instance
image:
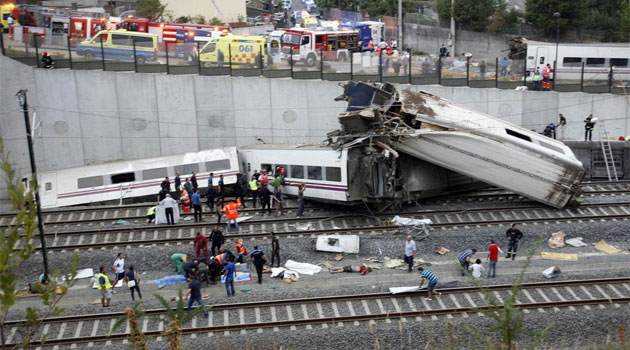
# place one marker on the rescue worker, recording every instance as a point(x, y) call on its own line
point(370, 46)
point(189, 189)
point(200, 243)
point(231, 212)
point(184, 200)
point(536, 80)
point(150, 214)
point(239, 190)
point(258, 259)
point(513, 235)
point(253, 187)
point(190, 268)
point(550, 130)
point(277, 184)
point(105, 287)
point(241, 252)
point(178, 260)
point(275, 248)
point(214, 271)
point(216, 236)
point(589, 125)
point(264, 178)
point(546, 75)
point(265, 199)
point(211, 192)
point(47, 61)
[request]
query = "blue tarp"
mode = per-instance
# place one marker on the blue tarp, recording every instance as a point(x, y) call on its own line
point(168, 280)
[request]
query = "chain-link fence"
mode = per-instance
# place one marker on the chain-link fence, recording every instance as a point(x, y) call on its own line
point(110, 52)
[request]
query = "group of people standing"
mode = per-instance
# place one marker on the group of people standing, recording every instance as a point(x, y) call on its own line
point(465, 259)
point(128, 275)
point(188, 196)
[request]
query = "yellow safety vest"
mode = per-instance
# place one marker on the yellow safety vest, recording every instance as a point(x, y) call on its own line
point(107, 284)
point(253, 185)
point(151, 211)
point(536, 77)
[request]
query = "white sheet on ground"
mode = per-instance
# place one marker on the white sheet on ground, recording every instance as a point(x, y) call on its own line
point(84, 273)
point(305, 268)
point(575, 242)
point(243, 218)
point(410, 222)
point(397, 290)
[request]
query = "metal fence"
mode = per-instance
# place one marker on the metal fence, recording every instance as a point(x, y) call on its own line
point(196, 58)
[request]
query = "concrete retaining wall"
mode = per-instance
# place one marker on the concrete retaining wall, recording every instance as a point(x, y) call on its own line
point(93, 116)
point(425, 38)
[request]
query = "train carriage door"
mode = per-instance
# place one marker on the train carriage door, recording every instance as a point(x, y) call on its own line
point(542, 57)
point(48, 190)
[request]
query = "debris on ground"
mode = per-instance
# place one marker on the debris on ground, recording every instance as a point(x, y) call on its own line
point(120, 222)
point(306, 227)
point(412, 226)
point(338, 243)
point(398, 290)
point(239, 277)
point(401, 264)
point(602, 246)
point(552, 272)
point(373, 259)
point(558, 256)
point(339, 257)
point(442, 251)
point(575, 242)
point(557, 240)
point(326, 265)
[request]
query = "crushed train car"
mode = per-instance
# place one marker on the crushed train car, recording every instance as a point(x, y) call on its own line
point(470, 143)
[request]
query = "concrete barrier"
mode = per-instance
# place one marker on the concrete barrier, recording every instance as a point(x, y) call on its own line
point(94, 116)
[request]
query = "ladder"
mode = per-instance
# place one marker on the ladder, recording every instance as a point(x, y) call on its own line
point(611, 170)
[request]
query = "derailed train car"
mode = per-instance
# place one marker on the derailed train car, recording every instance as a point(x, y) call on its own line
point(356, 172)
point(470, 143)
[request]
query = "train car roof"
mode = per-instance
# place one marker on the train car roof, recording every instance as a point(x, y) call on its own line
point(287, 146)
point(147, 163)
point(593, 44)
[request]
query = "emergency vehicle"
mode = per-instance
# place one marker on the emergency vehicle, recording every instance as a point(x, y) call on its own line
point(305, 45)
point(86, 26)
point(370, 30)
point(120, 45)
point(5, 11)
point(168, 32)
point(239, 51)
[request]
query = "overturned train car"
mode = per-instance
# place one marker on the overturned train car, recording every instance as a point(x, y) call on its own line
point(470, 143)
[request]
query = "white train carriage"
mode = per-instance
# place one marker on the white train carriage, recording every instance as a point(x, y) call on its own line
point(323, 169)
point(351, 174)
point(596, 57)
point(132, 178)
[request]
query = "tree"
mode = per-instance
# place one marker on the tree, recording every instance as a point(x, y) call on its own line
point(151, 9)
point(175, 317)
point(624, 14)
point(572, 14)
point(215, 21)
point(473, 14)
point(12, 259)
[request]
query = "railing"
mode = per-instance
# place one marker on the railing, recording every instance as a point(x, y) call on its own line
point(257, 60)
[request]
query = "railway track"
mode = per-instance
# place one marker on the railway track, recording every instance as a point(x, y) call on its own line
point(338, 311)
point(136, 213)
point(311, 226)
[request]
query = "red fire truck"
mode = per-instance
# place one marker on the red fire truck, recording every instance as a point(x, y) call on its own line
point(168, 32)
point(86, 26)
point(306, 44)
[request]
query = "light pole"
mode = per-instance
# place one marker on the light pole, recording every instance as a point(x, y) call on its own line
point(556, 15)
point(23, 103)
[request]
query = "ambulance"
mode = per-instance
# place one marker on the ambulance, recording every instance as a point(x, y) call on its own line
point(240, 51)
point(5, 11)
point(119, 45)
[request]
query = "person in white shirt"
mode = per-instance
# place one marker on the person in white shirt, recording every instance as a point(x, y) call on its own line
point(119, 268)
point(476, 268)
point(169, 205)
point(410, 252)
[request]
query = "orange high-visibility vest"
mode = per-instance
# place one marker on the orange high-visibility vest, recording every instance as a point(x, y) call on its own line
point(230, 211)
point(219, 258)
point(240, 249)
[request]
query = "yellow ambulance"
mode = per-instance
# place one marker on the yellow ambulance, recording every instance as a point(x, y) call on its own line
point(235, 50)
